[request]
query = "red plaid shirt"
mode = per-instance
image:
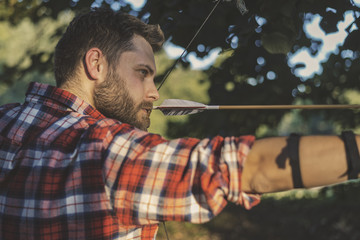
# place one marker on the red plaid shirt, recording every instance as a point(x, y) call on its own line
point(68, 172)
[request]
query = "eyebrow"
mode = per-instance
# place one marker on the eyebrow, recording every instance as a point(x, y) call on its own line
point(150, 69)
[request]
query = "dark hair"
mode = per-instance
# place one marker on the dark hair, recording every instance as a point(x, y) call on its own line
point(105, 29)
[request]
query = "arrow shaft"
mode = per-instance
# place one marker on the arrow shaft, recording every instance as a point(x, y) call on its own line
point(319, 106)
point(244, 107)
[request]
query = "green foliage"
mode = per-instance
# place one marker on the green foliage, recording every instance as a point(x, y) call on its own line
point(276, 42)
point(26, 57)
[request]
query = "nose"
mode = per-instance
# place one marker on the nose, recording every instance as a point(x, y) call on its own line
point(152, 92)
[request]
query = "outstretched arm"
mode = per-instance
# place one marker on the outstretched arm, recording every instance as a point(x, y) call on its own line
point(322, 161)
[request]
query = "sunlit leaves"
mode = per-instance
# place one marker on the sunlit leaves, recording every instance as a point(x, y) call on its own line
point(276, 43)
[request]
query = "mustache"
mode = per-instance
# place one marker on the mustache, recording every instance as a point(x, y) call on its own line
point(145, 104)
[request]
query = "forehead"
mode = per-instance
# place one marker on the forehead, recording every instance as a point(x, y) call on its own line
point(141, 53)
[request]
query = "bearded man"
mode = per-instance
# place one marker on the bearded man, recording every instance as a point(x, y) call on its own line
point(77, 162)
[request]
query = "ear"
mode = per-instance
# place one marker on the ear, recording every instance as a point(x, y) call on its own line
point(95, 64)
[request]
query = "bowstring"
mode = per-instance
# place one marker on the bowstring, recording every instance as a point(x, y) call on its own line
point(167, 236)
point(187, 47)
point(176, 62)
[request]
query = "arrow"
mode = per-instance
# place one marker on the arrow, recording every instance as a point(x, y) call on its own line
point(175, 107)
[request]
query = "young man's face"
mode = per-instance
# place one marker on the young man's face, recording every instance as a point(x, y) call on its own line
point(129, 91)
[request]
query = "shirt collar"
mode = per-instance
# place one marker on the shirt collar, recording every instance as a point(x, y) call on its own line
point(39, 92)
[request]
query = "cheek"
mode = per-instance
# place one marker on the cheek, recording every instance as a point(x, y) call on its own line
point(136, 90)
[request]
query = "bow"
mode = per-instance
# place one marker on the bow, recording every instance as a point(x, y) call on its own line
point(242, 8)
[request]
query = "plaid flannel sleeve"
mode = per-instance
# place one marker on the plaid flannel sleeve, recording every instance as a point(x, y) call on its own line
point(149, 179)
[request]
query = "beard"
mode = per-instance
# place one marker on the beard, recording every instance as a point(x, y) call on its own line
point(113, 100)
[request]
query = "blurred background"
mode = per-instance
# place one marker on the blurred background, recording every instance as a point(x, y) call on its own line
point(279, 52)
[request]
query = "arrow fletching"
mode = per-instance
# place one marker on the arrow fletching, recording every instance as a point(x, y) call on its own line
point(176, 107)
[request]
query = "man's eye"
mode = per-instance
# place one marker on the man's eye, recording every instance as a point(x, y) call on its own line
point(144, 72)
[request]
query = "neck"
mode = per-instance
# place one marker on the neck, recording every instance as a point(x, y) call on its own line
point(83, 91)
